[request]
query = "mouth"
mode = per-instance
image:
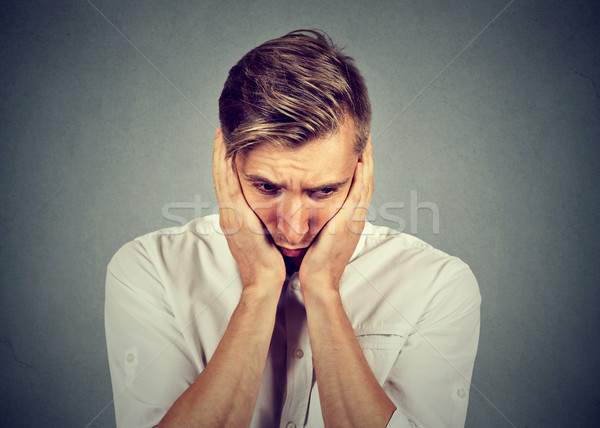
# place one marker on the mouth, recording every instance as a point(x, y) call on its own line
point(297, 252)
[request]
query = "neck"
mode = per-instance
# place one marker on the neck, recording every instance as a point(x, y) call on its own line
point(292, 264)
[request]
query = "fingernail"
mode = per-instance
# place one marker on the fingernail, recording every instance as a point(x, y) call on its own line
point(218, 132)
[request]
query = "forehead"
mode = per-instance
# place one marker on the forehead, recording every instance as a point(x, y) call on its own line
point(329, 158)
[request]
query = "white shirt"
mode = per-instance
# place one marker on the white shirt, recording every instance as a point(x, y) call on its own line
point(170, 295)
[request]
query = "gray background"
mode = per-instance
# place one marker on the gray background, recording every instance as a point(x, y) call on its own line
point(505, 142)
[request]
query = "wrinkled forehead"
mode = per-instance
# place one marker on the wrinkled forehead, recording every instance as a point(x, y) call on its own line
point(331, 158)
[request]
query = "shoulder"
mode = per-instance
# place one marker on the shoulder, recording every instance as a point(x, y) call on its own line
point(154, 257)
point(407, 264)
point(407, 251)
point(168, 242)
point(397, 281)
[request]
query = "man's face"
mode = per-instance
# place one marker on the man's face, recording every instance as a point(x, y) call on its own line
point(296, 192)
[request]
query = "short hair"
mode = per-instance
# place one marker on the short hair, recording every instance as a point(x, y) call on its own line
point(292, 90)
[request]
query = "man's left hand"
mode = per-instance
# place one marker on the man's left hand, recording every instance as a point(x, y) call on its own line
point(327, 257)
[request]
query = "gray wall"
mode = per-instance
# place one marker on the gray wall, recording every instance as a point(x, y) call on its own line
point(96, 141)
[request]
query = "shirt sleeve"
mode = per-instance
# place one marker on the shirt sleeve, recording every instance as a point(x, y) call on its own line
point(148, 359)
point(430, 380)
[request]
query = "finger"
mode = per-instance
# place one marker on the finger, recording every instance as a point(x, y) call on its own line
point(371, 171)
point(217, 154)
point(361, 203)
point(364, 176)
point(238, 200)
point(233, 183)
point(232, 206)
point(368, 179)
point(218, 147)
point(220, 169)
point(234, 188)
point(215, 169)
point(354, 194)
point(354, 212)
point(358, 184)
point(347, 211)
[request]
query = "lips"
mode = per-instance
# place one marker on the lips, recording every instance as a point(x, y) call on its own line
point(287, 252)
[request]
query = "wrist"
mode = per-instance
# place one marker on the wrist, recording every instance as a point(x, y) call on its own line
point(263, 279)
point(261, 294)
point(321, 294)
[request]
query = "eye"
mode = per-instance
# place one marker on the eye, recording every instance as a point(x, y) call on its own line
point(266, 188)
point(323, 193)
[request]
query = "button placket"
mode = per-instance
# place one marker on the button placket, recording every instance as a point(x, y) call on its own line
point(295, 283)
point(299, 368)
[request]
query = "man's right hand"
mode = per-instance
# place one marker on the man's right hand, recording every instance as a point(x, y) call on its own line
point(225, 391)
point(260, 262)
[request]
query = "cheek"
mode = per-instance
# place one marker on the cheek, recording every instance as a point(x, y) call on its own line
point(326, 210)
point(255, 201)
point(267, 212)
point(264, 209)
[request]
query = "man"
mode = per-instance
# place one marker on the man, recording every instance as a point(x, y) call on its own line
point(288, 309)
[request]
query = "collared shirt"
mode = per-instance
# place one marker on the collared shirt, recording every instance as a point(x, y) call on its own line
point(170, 295)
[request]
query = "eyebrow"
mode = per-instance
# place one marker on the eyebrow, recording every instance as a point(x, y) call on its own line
point(259, 179)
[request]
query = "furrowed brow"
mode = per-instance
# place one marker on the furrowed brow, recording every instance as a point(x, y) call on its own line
point(260, 179)
point(329, 185)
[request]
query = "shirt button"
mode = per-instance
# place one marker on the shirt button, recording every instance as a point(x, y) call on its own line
point(296, 284)
point(130, 357)
point(461, 392)
point(298, 353)
point(290, 425)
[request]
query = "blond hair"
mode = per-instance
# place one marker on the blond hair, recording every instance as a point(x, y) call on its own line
point(291, 90)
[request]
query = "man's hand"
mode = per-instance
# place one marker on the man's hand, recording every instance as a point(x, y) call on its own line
point(225, 392)
point(349, 392)
point(260, 262)
point(327, 257)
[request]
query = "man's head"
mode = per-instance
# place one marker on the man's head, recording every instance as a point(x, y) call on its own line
point(295, 115)
point(290, 91)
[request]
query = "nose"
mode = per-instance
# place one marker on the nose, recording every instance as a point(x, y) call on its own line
point(293, 219)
